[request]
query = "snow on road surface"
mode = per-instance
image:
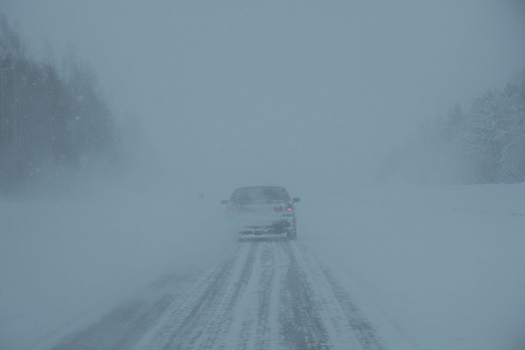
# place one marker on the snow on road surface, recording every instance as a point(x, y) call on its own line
point(267, 294)
point(428, 267)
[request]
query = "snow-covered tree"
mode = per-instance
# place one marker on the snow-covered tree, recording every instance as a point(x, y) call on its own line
point(483, 145)
point(47, 119)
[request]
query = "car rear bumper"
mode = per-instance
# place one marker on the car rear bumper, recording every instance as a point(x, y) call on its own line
point(260, 227)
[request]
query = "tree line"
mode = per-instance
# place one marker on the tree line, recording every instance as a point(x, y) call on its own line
point(52, 121)
point(485, 144)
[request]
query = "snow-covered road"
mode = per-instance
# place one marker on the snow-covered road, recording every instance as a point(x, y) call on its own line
point(266, 294)
point(429, 268)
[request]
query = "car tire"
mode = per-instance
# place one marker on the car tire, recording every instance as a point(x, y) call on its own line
point(292, 234)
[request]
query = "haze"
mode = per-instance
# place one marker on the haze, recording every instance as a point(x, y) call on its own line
point(281, 92)
point(308, 95)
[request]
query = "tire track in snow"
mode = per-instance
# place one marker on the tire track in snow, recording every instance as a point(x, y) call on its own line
point(210, 315)
point(253, 309)
point(302, 326)
point(361, 327)
point(268, 294)
point(267, 284)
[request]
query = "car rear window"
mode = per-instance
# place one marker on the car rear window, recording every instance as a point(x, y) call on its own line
point(259, 194)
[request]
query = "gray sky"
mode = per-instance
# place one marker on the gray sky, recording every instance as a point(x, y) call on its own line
point(279, 91)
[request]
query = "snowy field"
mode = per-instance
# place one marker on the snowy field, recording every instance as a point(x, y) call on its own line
point(431, 267)
point(70, 261)
point(442, 266)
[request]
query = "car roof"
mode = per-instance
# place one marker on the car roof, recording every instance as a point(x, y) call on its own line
point(263, 186)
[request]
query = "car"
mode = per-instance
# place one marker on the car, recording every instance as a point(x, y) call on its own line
point(262, 210)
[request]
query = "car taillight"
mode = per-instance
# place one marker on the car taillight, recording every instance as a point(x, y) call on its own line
point(289, 208)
